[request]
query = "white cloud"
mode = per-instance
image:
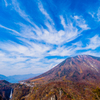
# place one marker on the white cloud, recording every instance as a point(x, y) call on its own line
point(62, 51)
point(76, 17)
point(6, 4)
point(98, 14)
point(15, 63)
point(63, 21)
point(12, 30)
point(33, 50)
point(51, 35)
point(22, 13)
point(44, 12)
point(94, 42)
point(81, 23)
point(78, 44)
point(93, 53)
point(16, 58)
point(59, 37)
point(95, 15)
point(92, 14)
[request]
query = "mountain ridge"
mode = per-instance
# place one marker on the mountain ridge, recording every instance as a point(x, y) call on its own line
point(17, 78)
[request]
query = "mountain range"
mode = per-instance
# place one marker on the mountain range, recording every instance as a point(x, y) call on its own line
point(17, 78)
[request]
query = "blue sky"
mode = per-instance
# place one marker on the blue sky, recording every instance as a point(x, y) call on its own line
point(36, 35)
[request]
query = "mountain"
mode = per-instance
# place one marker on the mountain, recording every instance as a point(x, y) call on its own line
point(78, 68)
point(2, 77)
point(76, 78)
point(17, 78)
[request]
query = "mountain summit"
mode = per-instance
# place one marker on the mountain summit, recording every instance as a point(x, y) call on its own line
point(78, 68)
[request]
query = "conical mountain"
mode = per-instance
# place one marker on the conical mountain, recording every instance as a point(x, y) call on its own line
point(78, 68)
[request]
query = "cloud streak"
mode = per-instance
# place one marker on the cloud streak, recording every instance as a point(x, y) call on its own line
point(52, 36)
point(21, 12)
point(94, 43)
point(6, 4)
point(12, 30)
point(44, 12)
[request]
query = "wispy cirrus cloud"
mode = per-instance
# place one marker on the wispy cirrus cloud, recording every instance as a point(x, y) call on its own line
point(93, 53)
point(95, 14)
point(94, 43)
point(62, 51)
point(63, 21)
point(53, 36)
point(9, 29)
point(20, 57)
point(6, 4)
point(98, 14)
point(81, 23)
point(32, 50)
point(21, 12)
point(20, 61)
point(44, 12)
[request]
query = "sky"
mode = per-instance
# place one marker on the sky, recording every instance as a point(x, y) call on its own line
point(36, 35)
